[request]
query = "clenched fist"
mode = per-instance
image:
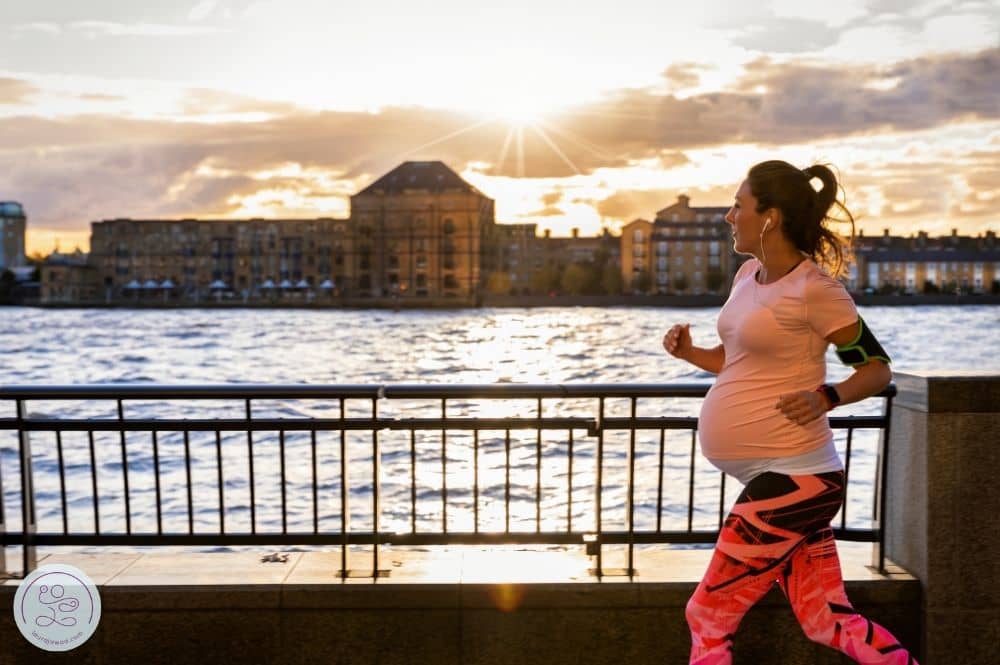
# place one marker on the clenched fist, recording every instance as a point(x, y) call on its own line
point(677, 341)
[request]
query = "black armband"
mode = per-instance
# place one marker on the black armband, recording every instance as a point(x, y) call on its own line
point(863, 349)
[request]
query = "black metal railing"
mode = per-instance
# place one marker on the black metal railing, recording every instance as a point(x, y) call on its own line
point(338, 430)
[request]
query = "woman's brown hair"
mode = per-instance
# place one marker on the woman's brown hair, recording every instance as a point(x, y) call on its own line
point(805, 210)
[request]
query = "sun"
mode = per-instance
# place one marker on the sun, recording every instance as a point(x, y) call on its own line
point(518, 115)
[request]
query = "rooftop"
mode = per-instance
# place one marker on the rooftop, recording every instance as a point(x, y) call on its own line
point(433, 176)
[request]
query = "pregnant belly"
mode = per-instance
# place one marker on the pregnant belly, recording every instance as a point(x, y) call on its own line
point(737, 421)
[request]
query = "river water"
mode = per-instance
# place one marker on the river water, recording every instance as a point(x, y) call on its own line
point(542, 345)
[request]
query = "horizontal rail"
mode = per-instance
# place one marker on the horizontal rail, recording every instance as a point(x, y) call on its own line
point(400, 391)
point(704, 537)
point(290, 424)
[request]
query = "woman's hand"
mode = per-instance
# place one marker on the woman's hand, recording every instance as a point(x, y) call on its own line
point(802, 407)
point(677, 341)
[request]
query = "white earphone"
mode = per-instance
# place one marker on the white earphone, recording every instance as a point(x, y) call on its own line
point(767, 223)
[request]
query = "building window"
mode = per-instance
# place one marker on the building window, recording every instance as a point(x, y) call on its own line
point(449, 227)
point(637, 236)
point(450, 282)
point(661, 247)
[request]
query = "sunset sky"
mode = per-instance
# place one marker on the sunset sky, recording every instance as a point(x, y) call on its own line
point(569, 114)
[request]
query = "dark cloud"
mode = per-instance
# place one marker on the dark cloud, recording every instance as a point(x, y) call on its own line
point(778, 104)
point(15, 91)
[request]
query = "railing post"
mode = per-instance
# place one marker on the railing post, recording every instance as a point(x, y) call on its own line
point(28, 526)
point(3, 527)
point(882, 474)
point(598, 481)
point(376, 489)
point(345, 493)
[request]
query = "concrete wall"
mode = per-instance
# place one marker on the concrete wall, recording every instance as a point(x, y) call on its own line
point(467, 607)
point(943, 502)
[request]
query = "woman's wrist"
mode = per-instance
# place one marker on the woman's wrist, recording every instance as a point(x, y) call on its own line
point(829, 396)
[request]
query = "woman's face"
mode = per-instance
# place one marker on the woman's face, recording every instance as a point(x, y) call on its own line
point(746, 222)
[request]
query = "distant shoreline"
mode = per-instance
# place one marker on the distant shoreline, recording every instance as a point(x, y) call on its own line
point(681, 301)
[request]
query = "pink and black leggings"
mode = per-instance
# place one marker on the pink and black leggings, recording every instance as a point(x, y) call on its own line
point(779, 531)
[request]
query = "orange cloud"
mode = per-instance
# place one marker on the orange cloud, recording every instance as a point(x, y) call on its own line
point(15, 91)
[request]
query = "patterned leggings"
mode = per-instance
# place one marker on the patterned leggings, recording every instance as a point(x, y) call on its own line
point(779, 531)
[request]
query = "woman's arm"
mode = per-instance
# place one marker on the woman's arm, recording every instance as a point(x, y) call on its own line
point(677, 343)
point(867, 380)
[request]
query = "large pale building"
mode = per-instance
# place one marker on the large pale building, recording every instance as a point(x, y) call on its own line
point(12, 229)
point(685, 249)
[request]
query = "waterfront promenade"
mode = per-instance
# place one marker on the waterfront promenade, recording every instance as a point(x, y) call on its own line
point(442, 606)
point(504, 604)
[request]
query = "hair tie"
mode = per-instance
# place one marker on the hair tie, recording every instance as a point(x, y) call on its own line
point(814, 181)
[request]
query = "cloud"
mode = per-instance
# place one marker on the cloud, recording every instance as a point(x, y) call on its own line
point(74, 169)
point(681, 75)
point(201, 11)
point(552, 198)
point(201, 101)
point(787, 35)
point(16, 91)
point(42, 27)
point(101, 97)
point(548, 211)
point(781, 103)
point(115, 29)
point(627, 204)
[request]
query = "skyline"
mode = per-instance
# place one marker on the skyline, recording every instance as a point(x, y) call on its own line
point(567, 115)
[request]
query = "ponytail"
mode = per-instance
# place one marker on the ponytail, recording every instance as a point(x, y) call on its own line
point(807, 210)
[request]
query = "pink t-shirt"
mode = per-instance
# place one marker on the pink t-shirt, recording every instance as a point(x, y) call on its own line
point(775, 341)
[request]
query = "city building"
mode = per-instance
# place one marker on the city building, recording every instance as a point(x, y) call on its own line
point(12, 228)
point(195, 259)
point(515, 256)
point(68, 278)
point(420, 229)
point(923, 264)
point(417, 231)
point(685, 249)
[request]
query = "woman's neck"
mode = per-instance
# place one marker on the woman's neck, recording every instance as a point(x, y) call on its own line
point(778, 265)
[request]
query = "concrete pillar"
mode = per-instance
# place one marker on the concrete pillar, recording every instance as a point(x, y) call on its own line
point(943, 505)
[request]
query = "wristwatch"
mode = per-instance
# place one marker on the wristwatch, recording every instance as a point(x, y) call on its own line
point(830, 393)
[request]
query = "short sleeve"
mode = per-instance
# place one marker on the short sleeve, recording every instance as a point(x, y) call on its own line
point(829, 306)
